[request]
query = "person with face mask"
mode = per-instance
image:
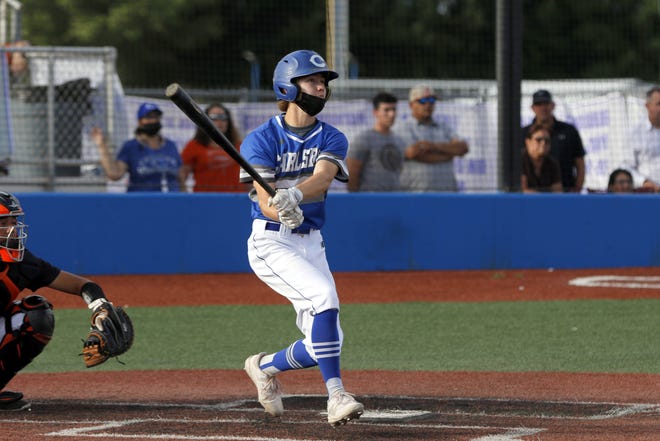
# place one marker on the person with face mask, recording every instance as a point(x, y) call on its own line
point(151, 160)
point(300, 156)
point(27, 321)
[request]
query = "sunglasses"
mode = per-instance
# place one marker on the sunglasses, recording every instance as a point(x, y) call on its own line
point(219, 117)
point(542, 139)
point(427, 100)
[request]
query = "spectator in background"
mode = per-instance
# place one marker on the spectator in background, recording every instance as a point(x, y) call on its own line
point(375, 157)
point(212, 168)
point(645, 141)
point(431, 146)
point(19, 66)
point(151, 160)
point(621, 181)
point(540, 172)
point(566, 145)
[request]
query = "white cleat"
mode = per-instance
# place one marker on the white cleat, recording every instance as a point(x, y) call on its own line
point(342, 408)
point(268, 387)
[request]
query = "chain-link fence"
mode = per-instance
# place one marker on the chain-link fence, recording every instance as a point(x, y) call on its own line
point(51, 106)
point(597, 58)
point(603, 111)
point(51, 97)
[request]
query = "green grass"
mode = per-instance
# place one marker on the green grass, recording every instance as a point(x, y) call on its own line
point(569, 336)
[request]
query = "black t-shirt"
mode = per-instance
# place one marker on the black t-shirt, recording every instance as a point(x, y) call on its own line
point(565, 146)
point(549, 173)
point(31, 273)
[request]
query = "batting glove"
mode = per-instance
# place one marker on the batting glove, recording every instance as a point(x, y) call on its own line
point(285, 199)
point(292, 218)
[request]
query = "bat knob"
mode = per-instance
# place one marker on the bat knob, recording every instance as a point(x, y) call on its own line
point(172, 89)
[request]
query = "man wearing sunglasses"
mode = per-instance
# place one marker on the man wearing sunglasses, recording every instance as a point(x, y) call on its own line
point(431, 146)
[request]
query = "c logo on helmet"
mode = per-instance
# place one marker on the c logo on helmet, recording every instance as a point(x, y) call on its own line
point(317, 60)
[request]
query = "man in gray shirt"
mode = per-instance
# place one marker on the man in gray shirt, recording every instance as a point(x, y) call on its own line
point(432, 146)
point(375, 156)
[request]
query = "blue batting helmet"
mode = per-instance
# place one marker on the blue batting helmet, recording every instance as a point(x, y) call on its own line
point(295, 65)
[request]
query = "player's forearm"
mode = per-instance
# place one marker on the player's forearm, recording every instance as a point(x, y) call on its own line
point(315, 187)
point(318, 184)
point(262, 198)
point(69, 283)
point(267, 211)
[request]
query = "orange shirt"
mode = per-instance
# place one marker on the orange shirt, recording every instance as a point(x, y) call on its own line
point(213, 169)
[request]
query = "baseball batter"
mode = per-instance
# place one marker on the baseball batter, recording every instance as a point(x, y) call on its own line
point(299, 156)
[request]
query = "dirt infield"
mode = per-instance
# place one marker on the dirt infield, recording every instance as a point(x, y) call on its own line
point(412, 419)
point(377, 287)
point(479, 406)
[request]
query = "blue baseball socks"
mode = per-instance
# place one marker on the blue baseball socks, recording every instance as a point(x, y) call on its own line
point(327, 348)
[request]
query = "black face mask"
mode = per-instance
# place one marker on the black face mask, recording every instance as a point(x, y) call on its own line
point(312, 105)
point(150, 129)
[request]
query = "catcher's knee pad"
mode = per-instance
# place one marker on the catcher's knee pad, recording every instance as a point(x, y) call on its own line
point(40, 317)
point(25, 329)
point(38, 321)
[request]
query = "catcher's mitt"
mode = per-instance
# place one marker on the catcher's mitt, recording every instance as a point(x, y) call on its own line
point(110, 334)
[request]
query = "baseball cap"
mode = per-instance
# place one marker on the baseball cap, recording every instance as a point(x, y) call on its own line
point(146, 108)
point(420, 91)
point(541, 96)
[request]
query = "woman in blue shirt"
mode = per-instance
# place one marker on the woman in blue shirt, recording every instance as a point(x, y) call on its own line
point(151, 160)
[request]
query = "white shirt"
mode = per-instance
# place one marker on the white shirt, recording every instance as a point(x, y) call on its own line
point(645, 161)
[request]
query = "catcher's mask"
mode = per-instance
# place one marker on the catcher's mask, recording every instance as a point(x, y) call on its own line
point(13, 231)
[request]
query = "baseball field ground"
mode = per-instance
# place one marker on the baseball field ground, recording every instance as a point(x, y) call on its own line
point(510, 355)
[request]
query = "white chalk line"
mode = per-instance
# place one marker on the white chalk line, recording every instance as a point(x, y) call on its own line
point(622, 411)
point(87, 431)
point(616, 412)
point(511, 435)
point(613, 281)
point(99, 428)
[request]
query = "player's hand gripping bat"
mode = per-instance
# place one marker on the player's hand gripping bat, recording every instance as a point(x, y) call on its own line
point(188, 106)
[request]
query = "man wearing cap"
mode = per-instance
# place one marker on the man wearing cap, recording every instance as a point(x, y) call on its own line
point(151, 160)
point(431, 146)
point(565, 142)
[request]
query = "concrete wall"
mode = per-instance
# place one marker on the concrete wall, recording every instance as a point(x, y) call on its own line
point(200, 233)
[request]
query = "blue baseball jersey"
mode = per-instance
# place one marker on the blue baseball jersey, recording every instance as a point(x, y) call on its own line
point(284, 159)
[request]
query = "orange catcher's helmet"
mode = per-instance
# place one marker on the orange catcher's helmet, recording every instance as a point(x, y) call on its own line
point(13, 231)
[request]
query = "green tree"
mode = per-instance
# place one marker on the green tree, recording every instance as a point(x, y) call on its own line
point(591, 39)
point(195, 42)
point(200, 43)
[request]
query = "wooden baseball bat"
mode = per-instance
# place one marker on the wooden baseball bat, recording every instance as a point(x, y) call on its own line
point(183, 101)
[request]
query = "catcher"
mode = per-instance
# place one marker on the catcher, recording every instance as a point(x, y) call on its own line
point(27, 324)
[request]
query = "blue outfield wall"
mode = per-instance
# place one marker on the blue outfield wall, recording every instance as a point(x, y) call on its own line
point(145, 233)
